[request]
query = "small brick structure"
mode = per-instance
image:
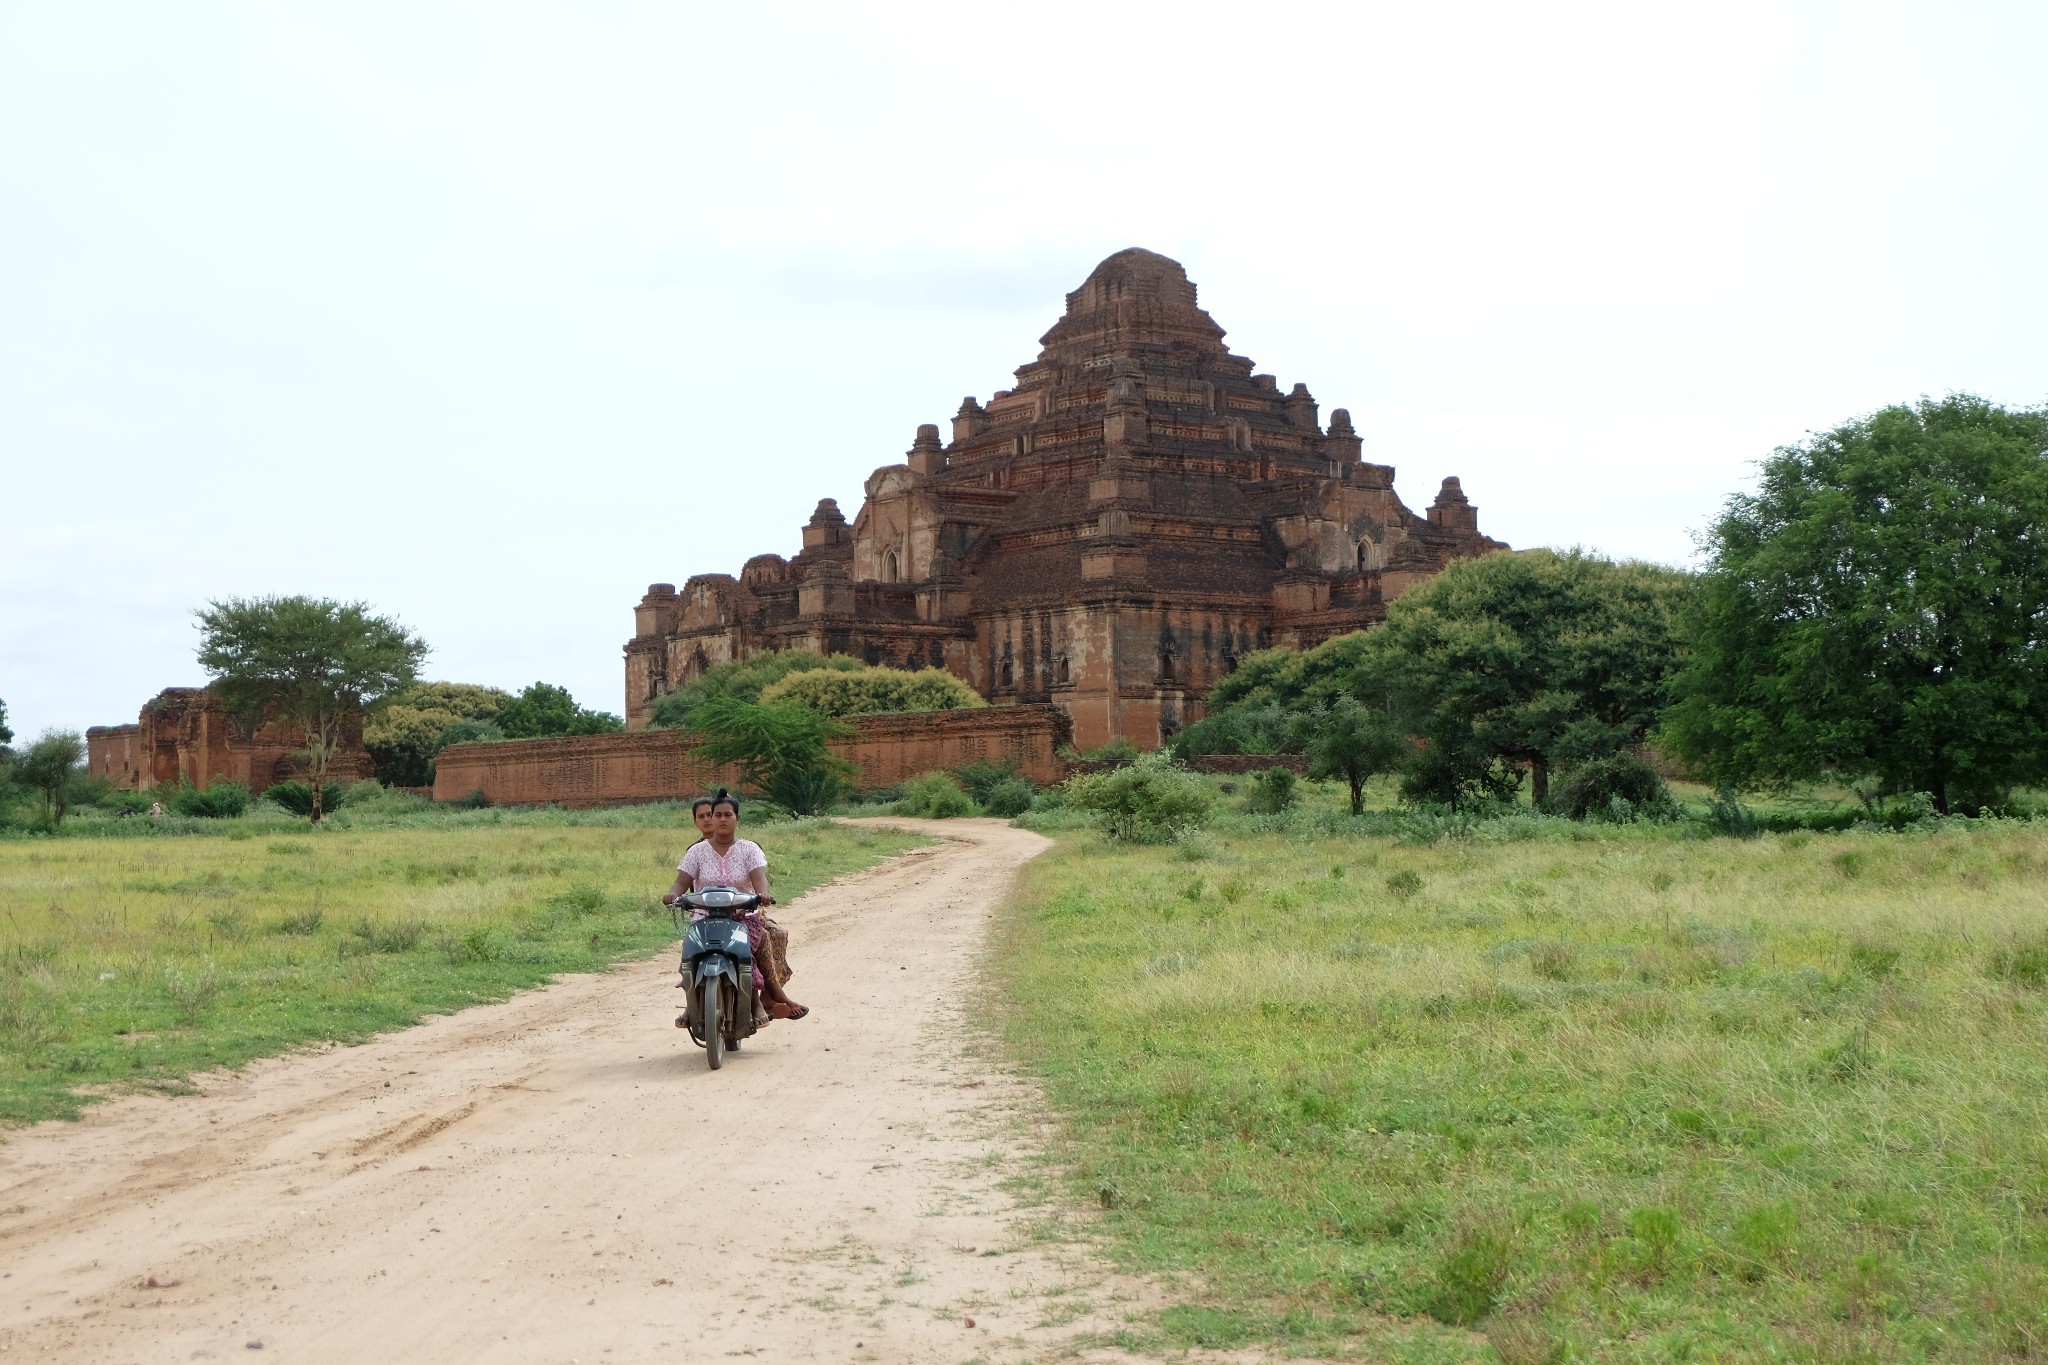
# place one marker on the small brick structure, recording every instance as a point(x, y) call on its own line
point(657, 765)
point(185, 734)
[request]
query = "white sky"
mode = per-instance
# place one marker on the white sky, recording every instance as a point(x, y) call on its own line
point(491, 315)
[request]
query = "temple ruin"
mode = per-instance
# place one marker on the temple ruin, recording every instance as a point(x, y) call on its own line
point(185, 735)
point(1109, 536)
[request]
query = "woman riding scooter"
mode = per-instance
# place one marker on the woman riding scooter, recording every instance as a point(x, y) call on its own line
point(722, 858)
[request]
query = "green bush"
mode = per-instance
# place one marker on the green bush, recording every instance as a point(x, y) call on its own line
point(983, 775)
point(1009, 798)
point(1620, 789)
point(935, 796)
point(1151, 800)
point(297, 797)
point(222, 799)
point(1272, 791)
point(872, 691)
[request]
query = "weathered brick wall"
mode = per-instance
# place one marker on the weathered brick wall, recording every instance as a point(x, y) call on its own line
point(656, 765)
point(184, 734)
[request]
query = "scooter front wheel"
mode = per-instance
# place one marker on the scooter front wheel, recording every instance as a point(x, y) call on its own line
point(714, 1027)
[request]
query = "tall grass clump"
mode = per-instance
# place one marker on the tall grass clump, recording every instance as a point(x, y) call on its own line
point(1632, 1093)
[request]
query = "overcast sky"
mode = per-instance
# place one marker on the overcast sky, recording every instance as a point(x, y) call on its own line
point(492, 314)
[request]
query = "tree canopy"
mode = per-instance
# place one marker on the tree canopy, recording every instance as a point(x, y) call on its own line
point(544, 711)
point(48, 765)
point(1877, 609)
point(1535, 657)
point(872, 690)
point(405, 736)
point(1538, 659)
point(309, 661)
point(743, 679)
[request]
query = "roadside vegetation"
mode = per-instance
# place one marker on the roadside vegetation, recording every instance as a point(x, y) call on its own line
point(135, 961)
point(1532, 1089)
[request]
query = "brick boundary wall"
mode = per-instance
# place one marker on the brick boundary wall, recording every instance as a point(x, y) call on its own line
point(1223, 764)
point(656, 765)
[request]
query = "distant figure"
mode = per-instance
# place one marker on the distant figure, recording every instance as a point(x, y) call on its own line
point(156, 810)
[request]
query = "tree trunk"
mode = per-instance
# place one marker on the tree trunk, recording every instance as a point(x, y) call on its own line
point(316, 767)
point(1357, 791)
point(1539, 780)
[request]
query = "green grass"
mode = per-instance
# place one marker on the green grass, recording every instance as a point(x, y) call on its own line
point(1620, 1095)
point(135, 961)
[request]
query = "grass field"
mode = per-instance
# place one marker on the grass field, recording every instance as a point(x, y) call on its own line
point(1624, 1095)
point(136, 961)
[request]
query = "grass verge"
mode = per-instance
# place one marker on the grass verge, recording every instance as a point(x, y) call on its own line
point(136, 961)
point(1620, 1099)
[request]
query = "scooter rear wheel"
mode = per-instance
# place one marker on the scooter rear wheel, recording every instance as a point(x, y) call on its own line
point(714, 1027)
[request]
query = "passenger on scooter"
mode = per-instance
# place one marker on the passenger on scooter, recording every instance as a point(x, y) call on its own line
point(721, 858)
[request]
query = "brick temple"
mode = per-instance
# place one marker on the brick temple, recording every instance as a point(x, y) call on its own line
point(1110, 536)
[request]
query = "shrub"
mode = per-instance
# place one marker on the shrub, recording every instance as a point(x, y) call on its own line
point(476, 800)
point(982, 776)
point(1620, 788)
point(222, 799)
point(1272, 791)
point(1009, 798)
point(872, 691)
point(1118, 750)
point(297, 797)
point(1151, 800)
point(1471, 1275)
point(935, 796)
point(1260, 727)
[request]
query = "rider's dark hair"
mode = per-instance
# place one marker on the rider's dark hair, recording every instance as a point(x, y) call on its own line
point(722, 797)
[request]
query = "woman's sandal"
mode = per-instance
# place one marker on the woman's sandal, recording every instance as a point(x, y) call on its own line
point(682, 1021)
point(781, 1011)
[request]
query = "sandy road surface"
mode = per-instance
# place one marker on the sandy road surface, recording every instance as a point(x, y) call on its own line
point(545, 1179)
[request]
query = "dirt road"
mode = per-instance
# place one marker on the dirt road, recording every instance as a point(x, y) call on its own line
point(560, 1177)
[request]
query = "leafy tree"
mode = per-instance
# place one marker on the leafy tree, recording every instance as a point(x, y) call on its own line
point(468, 732)
point(1451, 770)
point(783, 751)
point(544, 711)
point(1254, 726)
point(6, 735)
point(47, 767)
point(404, 737)
point(311, 662)
point(1879, 608)
point(872, 691)
point(1345, 739)
point(744, 679)
point(1536, 657)
point(1294, 680)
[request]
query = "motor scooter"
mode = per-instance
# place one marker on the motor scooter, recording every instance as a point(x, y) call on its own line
point(718, 970)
